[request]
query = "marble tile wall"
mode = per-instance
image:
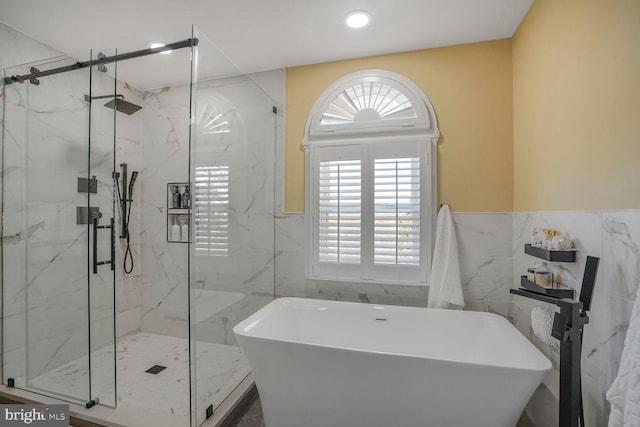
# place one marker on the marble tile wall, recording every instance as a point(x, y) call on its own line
point(165, 158)
point(614, 237)
point(484, 244)
point(36, 194)
point(46, 149)
point(225, 288)
point(491, 248)
point(242, 281)
point(17, 48)
point(154, 297)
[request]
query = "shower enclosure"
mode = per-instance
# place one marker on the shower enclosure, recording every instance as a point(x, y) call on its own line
point(149, 342)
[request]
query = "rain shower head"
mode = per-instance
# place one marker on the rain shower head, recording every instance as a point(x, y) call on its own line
point(117, 103)
point(123, 106)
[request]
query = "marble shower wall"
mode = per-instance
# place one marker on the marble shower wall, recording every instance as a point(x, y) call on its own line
point(484, 245)
point(225, 288)
point(614, 237)
point(246, 272)
point(16, 48)
point(46, 149)
point(165, 158)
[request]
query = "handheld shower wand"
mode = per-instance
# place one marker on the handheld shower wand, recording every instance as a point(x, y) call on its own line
point(126, 200)
point(134, 176)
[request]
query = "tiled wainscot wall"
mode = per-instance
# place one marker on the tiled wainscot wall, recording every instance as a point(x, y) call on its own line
point(614, 237)
point(491, 249)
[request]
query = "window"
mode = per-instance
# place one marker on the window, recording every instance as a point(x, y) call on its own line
point(211, 209)
point(370, 145)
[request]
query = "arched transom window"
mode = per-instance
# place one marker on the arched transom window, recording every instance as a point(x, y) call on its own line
point(370, 144)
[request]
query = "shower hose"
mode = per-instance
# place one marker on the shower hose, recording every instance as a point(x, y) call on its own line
point(128, 255)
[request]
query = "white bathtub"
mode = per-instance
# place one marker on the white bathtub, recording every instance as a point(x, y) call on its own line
point(336, 364)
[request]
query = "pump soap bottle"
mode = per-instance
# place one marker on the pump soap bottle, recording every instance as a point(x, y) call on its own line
point(186, 200)
point(176, 197)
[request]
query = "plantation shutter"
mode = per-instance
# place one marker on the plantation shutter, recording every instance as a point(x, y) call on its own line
point(339, 211)
point(397, 211)
point(211, 210)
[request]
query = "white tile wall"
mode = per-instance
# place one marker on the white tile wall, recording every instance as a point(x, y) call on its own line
point(614, 237)
point(484, 242)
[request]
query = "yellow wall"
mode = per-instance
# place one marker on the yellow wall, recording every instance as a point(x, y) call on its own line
point(470, 87)
point(576, 87)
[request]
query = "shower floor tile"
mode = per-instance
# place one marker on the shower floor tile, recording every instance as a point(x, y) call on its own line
point(162, 399)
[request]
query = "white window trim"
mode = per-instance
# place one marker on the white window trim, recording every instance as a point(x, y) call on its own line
point(425, 124)
point(424, 133)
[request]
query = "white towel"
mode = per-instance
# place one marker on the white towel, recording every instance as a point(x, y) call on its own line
point(624, 394)
point(541, 323)
point(445, 284)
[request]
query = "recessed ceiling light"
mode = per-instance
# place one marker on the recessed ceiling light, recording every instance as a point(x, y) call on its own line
point(357, 19)
point(156, 44)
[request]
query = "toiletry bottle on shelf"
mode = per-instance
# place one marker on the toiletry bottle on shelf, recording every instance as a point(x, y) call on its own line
point(542, 275)
point(175, 231)
point(184, 230)
point(176, 197)
point(186, 200)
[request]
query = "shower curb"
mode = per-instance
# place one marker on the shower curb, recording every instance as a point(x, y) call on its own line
point(234, 405)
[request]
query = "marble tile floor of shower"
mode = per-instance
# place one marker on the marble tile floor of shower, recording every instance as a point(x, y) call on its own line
point(146, 399)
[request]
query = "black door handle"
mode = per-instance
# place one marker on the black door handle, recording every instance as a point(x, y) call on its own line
point(96, 263)
point(95, 245)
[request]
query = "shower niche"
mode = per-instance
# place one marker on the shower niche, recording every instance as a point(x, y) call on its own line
point(178, 212)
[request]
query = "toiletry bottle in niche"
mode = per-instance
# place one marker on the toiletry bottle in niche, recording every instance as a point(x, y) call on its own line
point(175, 231)
point(184, 233)
point(186, 199)
point(176, 197)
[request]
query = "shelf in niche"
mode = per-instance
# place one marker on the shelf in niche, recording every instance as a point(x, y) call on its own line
point(560, 292)
point(549, 255)
point(176, 211)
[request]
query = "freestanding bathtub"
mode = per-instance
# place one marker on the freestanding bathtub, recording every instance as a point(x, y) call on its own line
point(337, 364)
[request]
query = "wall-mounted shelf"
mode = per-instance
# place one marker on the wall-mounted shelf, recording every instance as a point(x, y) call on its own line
point(174, 211)
point(559, 292)
point(567, 328)
point(549, 255)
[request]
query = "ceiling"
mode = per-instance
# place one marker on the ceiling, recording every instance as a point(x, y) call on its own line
point(259, 35)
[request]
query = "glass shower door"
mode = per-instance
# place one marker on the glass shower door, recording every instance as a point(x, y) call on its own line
point(231, 251)
point(47, 227)
point(104, 230)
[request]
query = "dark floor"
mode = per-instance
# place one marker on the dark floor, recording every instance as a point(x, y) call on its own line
point(253, 417)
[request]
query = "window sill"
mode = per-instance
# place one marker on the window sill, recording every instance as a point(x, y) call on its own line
point(367, 281)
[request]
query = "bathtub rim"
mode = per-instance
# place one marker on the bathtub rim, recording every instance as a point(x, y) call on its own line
point(239, 331)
